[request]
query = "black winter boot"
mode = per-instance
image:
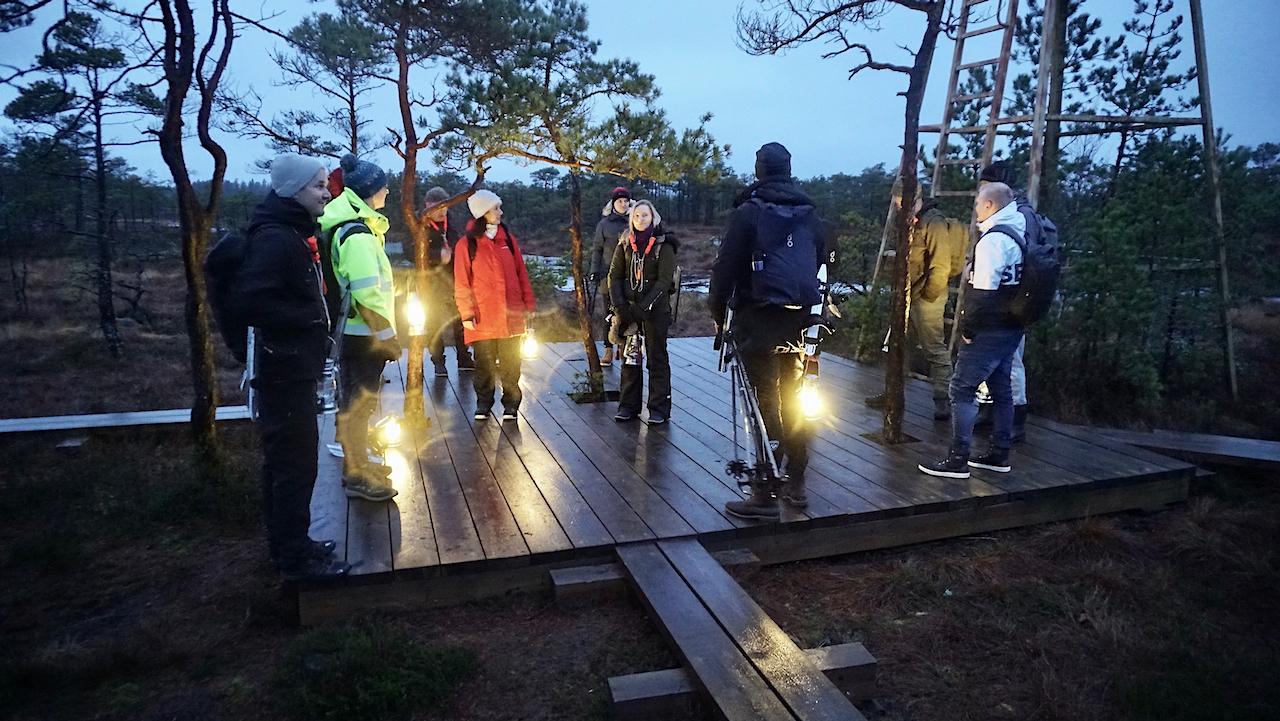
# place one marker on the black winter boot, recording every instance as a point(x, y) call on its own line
point(793, 492)
point(955, 465)
point(995, 459)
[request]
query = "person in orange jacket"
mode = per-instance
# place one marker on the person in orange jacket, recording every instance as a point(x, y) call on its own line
point(495, 302)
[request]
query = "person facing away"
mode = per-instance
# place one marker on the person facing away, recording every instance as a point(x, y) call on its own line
point(936, 253)
point(768, 325)
point(495, 301)
point(442, 310)
point(640, 286)
point(989, 336)
point(612, 225)
point(357, 238)
point(279, 293)
point(1001, 172)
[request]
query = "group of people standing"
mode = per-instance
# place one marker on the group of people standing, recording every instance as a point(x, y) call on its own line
point(319, 236)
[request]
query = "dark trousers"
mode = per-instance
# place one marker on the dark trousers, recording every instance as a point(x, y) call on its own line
point(442, 317)
point(631, 381)
point(988, 358)
point(776, 380)
point(498, 360)
point(602, 311)
point(287, 424)
point(361, 382)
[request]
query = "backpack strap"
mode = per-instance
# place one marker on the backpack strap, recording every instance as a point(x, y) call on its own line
point(1010, 231)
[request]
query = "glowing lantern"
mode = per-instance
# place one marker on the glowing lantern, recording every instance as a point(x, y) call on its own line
point(415, 314)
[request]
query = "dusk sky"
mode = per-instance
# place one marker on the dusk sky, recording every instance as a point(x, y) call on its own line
point(830, 123)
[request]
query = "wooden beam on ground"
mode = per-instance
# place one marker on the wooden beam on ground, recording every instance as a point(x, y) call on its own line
point(115, 420)
point(1203, 447)
point(582, 582)
point(672, 693)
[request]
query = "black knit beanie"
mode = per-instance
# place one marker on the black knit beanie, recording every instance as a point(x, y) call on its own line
point(773, 160)
point(997, 172)
point(364, 178)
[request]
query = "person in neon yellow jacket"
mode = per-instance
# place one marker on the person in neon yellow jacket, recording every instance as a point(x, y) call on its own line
point(356, 233)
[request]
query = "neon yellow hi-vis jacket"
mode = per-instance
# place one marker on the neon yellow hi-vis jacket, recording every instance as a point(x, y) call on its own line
point(360, 262)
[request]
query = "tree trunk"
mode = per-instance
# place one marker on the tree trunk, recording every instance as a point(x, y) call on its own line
point(1053, 128)
point(414, 410)
point(106, 299)
point(898, 305)
point(595, 375)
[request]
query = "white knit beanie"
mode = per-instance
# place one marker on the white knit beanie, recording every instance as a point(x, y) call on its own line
point(482, 201)
point(291, 172)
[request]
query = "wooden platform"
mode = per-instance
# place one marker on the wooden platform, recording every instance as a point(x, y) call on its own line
point(486, 507)
point(115, 420)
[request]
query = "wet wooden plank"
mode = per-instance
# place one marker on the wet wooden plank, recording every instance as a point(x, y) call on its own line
point(115, 420)
point(500, 535)
point(537, 523)
point(369, 523)
point(796, 679)
point(1224, 450)
point(733, 685)
point(413, 539)
point(328, 502)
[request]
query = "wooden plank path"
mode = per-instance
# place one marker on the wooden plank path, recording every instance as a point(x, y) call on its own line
point(115, 420)
point(1203, 447)
point(497, 505)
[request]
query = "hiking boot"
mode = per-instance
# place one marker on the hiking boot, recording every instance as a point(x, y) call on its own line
point(442, 371)
point(309, 568)
point(995, 459)
point(482, 414)
point(955, 465)
point(655, 419)
point(510, 414)
point(623, 416)
point(607, 358)
point(368, 489)
point(760, 506)
point(878, 401)
point(793, 492)
point(466, 362)
point(1019, 433)
point(941, 409)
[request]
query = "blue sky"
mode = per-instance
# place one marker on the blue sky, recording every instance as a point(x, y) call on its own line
point(830, 123)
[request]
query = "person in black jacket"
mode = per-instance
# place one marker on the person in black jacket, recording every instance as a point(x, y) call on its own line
point(442, 310)
point(279, 293)
point(768, 334)
point(640, 286)
point(612, 225)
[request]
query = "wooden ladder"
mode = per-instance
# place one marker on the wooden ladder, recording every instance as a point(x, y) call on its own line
point(996, 94)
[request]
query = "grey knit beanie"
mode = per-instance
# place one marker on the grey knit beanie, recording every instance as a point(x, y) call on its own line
point(291, 172)
point(436, 196)
point(363, 177)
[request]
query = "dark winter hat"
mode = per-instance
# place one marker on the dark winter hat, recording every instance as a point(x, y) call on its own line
point(363, 177)
point(436, 196)
point(291, 172)
point(997, 172)
point(620, 192)
point(773, 160)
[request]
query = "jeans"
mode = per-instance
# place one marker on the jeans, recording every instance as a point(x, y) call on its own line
point(926, 332)
point(1017, 378)
point(988, 358)
point(496, 360)
point(631, 381)
point(287, 424)
point(776, 380)
point(361, 377)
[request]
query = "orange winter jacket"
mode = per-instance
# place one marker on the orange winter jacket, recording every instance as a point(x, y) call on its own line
point(491, 284)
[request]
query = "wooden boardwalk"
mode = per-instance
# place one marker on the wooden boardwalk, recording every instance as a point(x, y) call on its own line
point(503, 503)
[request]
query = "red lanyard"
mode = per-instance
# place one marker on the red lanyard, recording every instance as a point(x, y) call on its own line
point(636, 249)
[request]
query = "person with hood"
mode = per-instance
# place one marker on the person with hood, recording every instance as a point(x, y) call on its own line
point(610, 228)
point(768, 330)
point(279, 293)
point(495, 301)
point(640, 286)
point(357, 243)
point(989, 336)
point(442, 311)
point(937, 249)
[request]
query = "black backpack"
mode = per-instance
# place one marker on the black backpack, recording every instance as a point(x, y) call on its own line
point(786, 254)
point(332, 290)
point(221, 268)
point(1041, 269)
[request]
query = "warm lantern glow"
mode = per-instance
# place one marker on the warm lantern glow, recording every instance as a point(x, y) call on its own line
point(388, 432)
point(416, 314)
point(811, 403)
point(529, 346)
